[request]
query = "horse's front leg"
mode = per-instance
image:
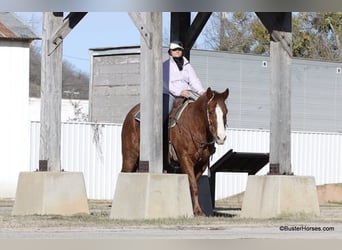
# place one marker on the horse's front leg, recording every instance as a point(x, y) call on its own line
point(200, 170)
point(188, 168)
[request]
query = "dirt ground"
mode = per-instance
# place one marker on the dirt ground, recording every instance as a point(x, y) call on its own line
point(225, 224)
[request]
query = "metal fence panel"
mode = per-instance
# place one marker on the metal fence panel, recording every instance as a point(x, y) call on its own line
point(95, 150)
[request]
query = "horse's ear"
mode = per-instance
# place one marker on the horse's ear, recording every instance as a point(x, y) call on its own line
point(226, 93)
point(209, 93)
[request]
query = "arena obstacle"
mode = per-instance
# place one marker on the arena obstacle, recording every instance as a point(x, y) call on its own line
point(44, 193)
point(273, 196)
point(151, 196)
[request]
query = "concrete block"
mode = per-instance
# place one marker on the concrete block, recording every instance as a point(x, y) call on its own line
point(151, 196)
point(60, 193)
point(277, 195)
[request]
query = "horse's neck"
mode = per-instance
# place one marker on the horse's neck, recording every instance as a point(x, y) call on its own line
point(199, 106)
point(198, 113)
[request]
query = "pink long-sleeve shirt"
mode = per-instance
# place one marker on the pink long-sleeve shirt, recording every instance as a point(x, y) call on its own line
point(175, 81)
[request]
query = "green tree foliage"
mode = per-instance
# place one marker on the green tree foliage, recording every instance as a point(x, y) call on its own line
point(317, 35)
point(239, 32)
point(314, 35)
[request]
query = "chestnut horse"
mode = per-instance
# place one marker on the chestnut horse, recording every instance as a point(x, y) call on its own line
point(201, 124)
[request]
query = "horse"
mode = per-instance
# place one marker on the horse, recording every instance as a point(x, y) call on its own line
point(193, 138)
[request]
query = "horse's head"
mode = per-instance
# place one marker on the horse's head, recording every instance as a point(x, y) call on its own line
point(217, 114)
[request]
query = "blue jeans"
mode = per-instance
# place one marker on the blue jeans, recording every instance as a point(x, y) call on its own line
point(168, 101)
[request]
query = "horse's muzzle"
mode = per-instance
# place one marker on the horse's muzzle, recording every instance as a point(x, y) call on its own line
point(220, 141)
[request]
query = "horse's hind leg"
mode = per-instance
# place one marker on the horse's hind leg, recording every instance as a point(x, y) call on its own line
point(130, 153)
point(130, 163)
point(130, 142)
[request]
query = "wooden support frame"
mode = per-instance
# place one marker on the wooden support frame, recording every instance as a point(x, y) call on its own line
point(151, 148)
point(51, 96)
point(279, 25)
point(196, 28)
point(144, 30)
point(182, 29)
point(64, 29)
point(55, 29)
point(149, 24)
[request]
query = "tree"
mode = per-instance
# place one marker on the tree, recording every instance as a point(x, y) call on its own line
point(239, 32)
point(318, 35)
point(75, 83)
point(314, 35)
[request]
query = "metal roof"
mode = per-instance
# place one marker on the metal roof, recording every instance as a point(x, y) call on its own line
point(12, 28)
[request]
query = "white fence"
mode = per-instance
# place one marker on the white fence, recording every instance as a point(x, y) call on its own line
point(95, 150)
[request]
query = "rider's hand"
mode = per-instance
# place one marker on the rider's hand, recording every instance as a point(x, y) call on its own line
point(185, 93)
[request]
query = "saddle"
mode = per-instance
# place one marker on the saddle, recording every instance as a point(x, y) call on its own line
point(179, 105)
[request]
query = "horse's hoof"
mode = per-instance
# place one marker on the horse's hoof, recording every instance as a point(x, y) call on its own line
point(199, 213)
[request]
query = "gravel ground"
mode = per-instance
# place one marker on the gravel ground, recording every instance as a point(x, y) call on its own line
point(228, 225)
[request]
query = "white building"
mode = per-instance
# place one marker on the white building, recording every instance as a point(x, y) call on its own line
point(15, 41)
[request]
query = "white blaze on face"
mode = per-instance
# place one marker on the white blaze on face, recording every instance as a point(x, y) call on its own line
point(221, 133)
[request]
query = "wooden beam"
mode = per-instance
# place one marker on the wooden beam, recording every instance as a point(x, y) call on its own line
point(144, 30)
point(151, 92)
point(64, 29)
point(180, 24)
point(51, 96)
point(196, 28)
point(278, 25)
point(285, 39)
point(183, 30)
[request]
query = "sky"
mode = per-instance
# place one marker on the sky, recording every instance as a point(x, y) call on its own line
point(95, 30)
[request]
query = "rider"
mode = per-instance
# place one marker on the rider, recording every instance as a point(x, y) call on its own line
point(179, 78)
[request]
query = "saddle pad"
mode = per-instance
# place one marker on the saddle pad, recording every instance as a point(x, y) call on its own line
point(173, 120)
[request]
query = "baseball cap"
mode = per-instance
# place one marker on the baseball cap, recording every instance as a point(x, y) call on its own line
point(176, 45)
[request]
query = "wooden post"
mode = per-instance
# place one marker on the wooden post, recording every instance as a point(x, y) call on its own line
point(149, 24)
point(51, 96)
point(280, 124)
point(279, 25)
point(273, 195)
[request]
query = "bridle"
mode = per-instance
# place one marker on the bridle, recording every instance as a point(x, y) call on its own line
point(208, 118)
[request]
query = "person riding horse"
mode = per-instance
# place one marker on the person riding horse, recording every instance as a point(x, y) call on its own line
point(179, 78)
point(179, 81)
point(201, 124)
